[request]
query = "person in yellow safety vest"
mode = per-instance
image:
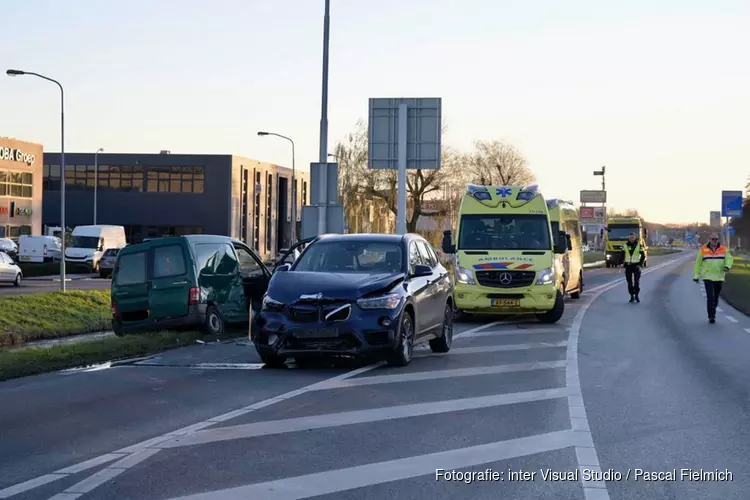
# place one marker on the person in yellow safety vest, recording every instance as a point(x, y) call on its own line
point(633, 261)
point(712, 263)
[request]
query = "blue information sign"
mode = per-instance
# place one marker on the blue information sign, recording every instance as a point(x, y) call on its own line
point(731, 203)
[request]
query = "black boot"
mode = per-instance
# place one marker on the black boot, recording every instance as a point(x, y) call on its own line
point(637, 299)
point(632, 298)
point(712, 320)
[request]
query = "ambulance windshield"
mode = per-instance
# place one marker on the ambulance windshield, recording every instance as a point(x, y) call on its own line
point(504, 232)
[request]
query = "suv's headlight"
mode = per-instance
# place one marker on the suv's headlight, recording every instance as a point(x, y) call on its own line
point(390, 301)
point(270, 304)
point(464, 275)
point(545, 276)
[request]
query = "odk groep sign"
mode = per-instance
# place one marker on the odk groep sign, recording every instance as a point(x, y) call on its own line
point(13, 154)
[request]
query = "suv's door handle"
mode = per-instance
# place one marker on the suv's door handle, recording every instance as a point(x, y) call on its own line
point(180, 283)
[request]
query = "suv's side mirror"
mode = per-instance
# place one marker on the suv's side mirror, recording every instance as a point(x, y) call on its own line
point(585, 237)
point(282, 268)
point(448, 247)
point(569, 242)
point(421, 270)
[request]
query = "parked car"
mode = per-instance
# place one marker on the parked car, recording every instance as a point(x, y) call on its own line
point(360, 295)
point(107, 262)
point(9, 247)
point(201, 281)
point(9, 270)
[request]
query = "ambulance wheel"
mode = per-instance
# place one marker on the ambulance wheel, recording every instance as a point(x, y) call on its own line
point(577, 293)
point(554, 314)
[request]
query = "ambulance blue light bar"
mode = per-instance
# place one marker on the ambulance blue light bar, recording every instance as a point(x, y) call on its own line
point(479, 192)
point(528, 192)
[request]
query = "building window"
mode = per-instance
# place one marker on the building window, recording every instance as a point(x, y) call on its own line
point(175, 180)
point(14, 232)
point(304, 192)
point(16, 184)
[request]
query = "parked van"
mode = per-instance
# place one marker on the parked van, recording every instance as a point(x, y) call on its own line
point(563, 217)
point(39, 248)
point(88, 243)
point(200, 281)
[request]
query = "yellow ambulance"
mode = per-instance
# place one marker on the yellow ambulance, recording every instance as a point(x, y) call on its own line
point(505, 254)
point(564, 217)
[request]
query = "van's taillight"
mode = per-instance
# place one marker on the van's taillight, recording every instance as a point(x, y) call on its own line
point(195, 296)
point(114, 309)
point(45, 250)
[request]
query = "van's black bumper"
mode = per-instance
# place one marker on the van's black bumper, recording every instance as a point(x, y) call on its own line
point(195, 317)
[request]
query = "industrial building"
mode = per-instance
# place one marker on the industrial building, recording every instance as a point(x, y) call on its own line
point(20, 188)
point(164, 194)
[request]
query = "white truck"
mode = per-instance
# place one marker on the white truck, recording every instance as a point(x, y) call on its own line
point(88, 243)
point(39, 248)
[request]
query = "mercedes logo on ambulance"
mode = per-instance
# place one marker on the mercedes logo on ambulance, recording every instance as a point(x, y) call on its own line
point(506, 278)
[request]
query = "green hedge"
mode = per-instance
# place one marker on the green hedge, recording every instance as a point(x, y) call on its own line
point(35, 270)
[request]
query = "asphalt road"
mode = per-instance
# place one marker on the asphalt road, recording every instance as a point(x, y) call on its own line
point(36, 285)
point(614, 387)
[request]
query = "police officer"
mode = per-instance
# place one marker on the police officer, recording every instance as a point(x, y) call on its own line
point(633, 261)
point(711, 264)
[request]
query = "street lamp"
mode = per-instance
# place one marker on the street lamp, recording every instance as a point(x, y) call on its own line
point(294, 183)
point(601, 172)
point(18, 72)
point(96, 180)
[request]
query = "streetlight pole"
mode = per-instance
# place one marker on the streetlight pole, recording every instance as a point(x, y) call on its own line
point(96, 181)
point(18, 72)
point(323, 159)
point(294, 183)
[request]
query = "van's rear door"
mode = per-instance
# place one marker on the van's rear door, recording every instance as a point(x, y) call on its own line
point(130, 286)
point(169, 293)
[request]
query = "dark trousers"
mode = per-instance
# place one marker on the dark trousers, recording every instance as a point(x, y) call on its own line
point(713, 289)
point(633, 277)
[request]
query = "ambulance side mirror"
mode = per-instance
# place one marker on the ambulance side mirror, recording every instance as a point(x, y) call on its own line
point(561, 243)
point(447, 246)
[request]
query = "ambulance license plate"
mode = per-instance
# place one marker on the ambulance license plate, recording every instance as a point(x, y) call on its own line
point(505, 303)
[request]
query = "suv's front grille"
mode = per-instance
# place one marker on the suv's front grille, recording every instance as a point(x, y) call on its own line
point(505, 279)
point(304, 314)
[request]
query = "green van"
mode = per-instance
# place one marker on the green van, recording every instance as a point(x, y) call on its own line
point(202, 281)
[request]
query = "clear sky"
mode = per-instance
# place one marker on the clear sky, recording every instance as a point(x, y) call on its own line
point(656, 90)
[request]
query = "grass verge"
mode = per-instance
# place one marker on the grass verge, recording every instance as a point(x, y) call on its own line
point(38, 316)
point(591, 257)
point(36, 360)
point(38, 269)
point(737, 285)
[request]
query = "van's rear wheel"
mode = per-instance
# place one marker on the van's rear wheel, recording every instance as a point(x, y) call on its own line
point(117, 328)
point(554, 315)
point(214, 323)
point(577, 293)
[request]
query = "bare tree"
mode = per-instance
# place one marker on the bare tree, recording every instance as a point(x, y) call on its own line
point(500, 163)
point(356, 180)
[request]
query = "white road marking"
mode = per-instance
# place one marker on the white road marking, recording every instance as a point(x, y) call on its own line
point(719, 309)
point(438, 374)
point(747, 330)
point(584, 446)
point(333, 481)
point(493, 348)
point(102, 459)
point(383, 414)
point(731, 319)
point(517, 331)
point(30, 485)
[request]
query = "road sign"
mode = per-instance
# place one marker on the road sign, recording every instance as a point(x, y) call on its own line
point(334, 215)
point(715, 219)
point(731, 203)
point(592, 214)
point(332, 184)
point(423, 133)
point(589, 196)
point(586, 213)
point(728, 230)
point(404, 134)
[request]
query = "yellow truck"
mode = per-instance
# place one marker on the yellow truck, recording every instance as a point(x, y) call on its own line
point(564, 217)
point(615, 235)
point(506, 254)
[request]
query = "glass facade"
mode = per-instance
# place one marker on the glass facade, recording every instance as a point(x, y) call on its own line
point(133, 178)
point(16, 184)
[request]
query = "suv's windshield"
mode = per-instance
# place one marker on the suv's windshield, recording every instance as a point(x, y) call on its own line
point(83, 242)
point(622, 231)
point(112, 252)
point(367, 257)
point(504, 232)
